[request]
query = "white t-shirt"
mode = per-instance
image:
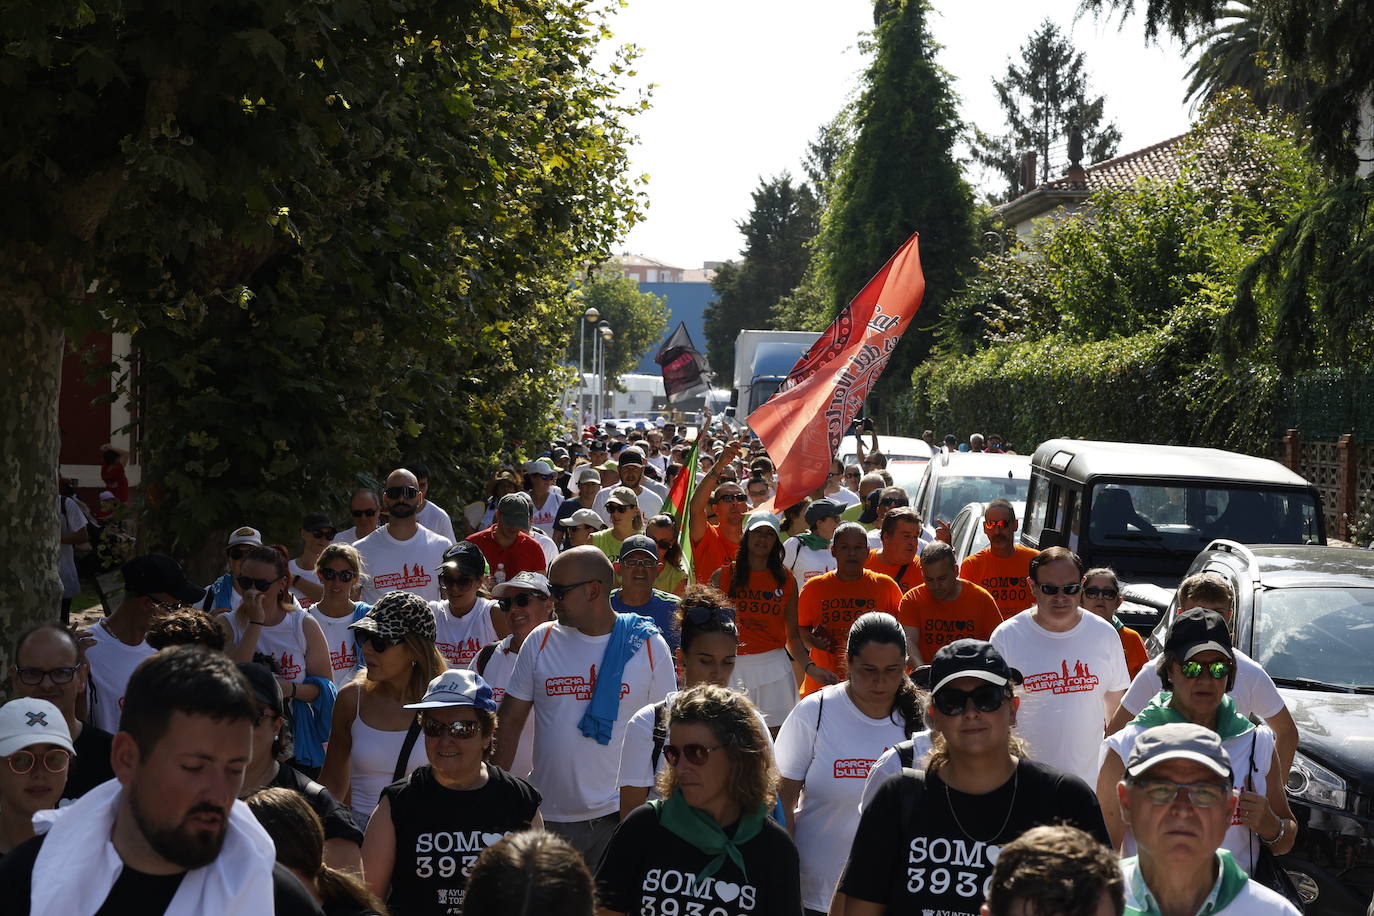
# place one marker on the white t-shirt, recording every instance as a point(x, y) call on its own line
point(649, 503)
point(348, 536)
point(1254, 690)
point(806, 562)
point(1067, 677)
point(889, 765)
point(73, 520)
point(111, 663)
point(497, 675)
point(436, 520)
point(344, 657)
point(1240, 841)
point(557, 670)
point(459, 639)
point(546, 544)
point(283, 642)
point(637, 756)
point(833, 763)
point(845, 496)
point(308, 575)
point(544, 516)
point(408, 565)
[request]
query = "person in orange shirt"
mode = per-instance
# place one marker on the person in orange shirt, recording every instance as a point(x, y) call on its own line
point(713, 546)
point(1003, 567)
point(946, 608)
point(901, 539)
point(1102, 595)
point(830, 603)
point(765, 598)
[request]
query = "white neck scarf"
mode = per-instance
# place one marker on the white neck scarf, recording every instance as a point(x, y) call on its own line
point(78, 865)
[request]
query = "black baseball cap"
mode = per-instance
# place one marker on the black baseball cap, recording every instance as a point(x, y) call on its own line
point(823, 508)
point(1199, 630)
point(264, 684)
point(316, 520)
point(630, 456)
point(467, 558)
point(157, 573)
point(970, 658)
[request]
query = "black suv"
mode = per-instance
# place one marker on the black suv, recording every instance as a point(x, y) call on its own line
point(1306, 614)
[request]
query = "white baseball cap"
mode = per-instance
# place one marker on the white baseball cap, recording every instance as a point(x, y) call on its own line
point(26, 721)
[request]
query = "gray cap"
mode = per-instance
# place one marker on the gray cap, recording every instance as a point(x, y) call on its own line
point(623, 496)
point(587, 474)
point(1179, 741)
point(514, 510)
point(586, 517)
point(530, 581)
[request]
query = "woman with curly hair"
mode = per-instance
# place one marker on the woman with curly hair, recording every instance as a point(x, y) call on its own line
point(710, 837)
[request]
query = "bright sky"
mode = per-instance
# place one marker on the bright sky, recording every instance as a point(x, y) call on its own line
point(742, 85)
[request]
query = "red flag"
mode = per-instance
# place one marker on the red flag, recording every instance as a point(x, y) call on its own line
point(802, 424)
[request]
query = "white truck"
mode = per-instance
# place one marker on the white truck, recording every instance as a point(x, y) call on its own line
point(762, 361)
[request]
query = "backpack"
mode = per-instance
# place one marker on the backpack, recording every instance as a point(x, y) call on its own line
point(484, 658)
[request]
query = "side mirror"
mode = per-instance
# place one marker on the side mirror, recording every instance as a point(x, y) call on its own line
point(1051, 537)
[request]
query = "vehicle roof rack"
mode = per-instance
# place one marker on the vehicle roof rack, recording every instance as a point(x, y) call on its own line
point(1234, 547)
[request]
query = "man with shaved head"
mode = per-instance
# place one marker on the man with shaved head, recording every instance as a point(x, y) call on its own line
point(584, 675)
point(403, 555)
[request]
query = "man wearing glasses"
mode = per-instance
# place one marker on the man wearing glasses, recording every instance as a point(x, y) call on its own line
point(638, 566)
point(1003, 566)
point(48, 666)
point(1075, 671)
point(153, 585)
point(403, 555)
point(1178, 801)
point(715, 545)
point(365, 510)
point(630, 468)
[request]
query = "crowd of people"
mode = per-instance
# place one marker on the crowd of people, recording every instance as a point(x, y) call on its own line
point(588, 692)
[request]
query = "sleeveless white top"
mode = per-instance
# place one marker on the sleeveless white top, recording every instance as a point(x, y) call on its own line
point(285, 643)
point(373, 760)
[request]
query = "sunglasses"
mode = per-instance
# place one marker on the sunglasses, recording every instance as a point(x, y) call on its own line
point(696, 754)
point(34, 676)
point(1164, 791)
point(379, 642)
point(238, 553)
point(1216, 670)
point(261, 585)
point(559, 592)
point(360, 513)
point(733, 498)
point(997, 525)
point(54, 761)
point(463, 730)
point(462, 582)
point(580, 528)
point(1071, 589)
point(343, 575)
point(855, 474)
point(987, 698)
point(893, 502)
point(1092, 591)
point(729, 478)
point(616, 508)
point(521, 600)
point(326, 533)
point(401, 492)
point(548, 476)
point(639, 563)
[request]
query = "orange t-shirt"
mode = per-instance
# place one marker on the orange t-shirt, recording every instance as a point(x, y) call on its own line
point(713, 551)
point(971, 615)
point(1003, 577)
point(833, 605)
point(1134, 646)
point(759, 607)
point(911, 576)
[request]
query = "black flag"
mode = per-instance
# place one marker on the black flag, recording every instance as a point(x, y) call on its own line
point(685, 370)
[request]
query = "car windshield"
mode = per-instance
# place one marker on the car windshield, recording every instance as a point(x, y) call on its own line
point(1181, 518)
point(1321, 634)
point(953, 493)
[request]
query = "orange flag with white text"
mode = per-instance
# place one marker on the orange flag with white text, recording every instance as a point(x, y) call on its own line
point(802, 424)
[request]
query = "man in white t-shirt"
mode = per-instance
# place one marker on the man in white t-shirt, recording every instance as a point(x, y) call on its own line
point(555, 676)
point(404, 555)
point(1073, 664)
point(365, 509)
point(630, 468)
point(1253, 691)
point(429, 514)
point(464, 621)
point(545, 494)
point(153, 585)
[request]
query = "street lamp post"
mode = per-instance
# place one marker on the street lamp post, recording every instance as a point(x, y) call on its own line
point(605, 333)
point(589, 316)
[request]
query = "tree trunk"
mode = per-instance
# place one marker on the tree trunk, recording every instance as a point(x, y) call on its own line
point(30, 376)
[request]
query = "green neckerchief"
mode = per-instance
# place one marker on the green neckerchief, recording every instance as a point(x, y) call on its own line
point(701, 830)
point(1230, 882)
point(1116, 622)
point(813, 541)
point(1230, 724)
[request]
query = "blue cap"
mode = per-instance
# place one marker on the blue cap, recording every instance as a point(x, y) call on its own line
point(457, 687)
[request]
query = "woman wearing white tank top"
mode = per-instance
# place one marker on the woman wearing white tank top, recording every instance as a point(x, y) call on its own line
point(270, 623)
point(370, 719)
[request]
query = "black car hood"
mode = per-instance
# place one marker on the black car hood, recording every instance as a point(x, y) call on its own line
point(1338, 728)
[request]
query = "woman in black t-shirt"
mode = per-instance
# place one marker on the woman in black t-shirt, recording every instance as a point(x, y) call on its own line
point(430, 827)
point(929, 842)
point(709, 846)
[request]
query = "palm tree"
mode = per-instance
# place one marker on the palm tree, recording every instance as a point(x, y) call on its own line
point(1241, 50)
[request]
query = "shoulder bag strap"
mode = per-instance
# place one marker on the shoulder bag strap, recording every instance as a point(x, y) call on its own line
point(408, 745)
point(906, 753)
point(902, 572)
point(660, 732)
point(484, 658)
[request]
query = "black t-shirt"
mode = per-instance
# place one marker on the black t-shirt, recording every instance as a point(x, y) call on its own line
point(338, 820)
point(931, 863)
point(649, 871)
point(134, 891)
point(91, 765)
point(440, 832)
